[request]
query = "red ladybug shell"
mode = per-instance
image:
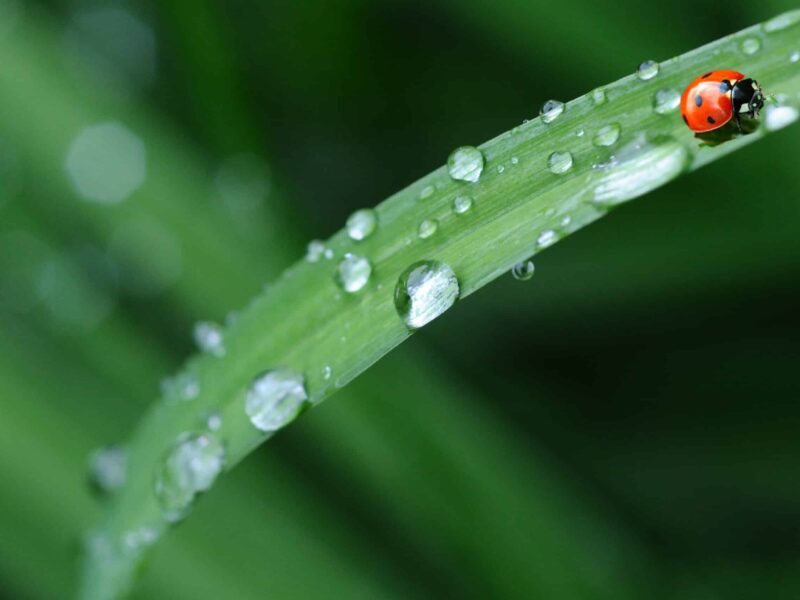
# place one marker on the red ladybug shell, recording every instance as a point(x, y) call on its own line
point(706, 103)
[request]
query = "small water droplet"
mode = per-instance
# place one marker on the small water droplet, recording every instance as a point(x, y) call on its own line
point(214, 421)
point(559, 162)
point(465, 164)
point(551, 110)
point(778, 117)
point(209, 338)
point(462, 204)
point(794, 56)
point(787, 19)
point(546, 238)
point(523, 271)
point(426, 192)
point(424, 291)
point(514, 160)
point(315, 250)
point(607, 135)
point(275, 398)
point(108, 468)
point(641, 166)
point(750, 45)
point(138, 539)
point(599, 96)
point(647, 70)
point(183, 386)
point(361, 224)
point(427, 228)
point(353, 272)
point(328, 254)
point(666, 101)
point(327, 372)
point(566, 221)
point(190, 467)
point(580, 133)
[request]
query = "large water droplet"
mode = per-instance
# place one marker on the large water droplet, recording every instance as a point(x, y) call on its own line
point(639, 167)
point(607, 135)
point(353, 272)
point(647, 70)
point(190, 467)
point(462, 204)
point(427, 228)
point(209, 338)
point(666, 101)
point(275, 398)
point(315, 251)
point(750, 45)
point(551, 110)
point(361, 224)
point(546, 238)
point(778, 117)
point(559, 162)
point(787, 19)
point(465, 164)
point(598, 96)
point(108, 468)
point(523, 271)
point(424, 291)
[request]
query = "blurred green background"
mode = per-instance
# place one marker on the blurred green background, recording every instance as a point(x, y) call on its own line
point(622, 426)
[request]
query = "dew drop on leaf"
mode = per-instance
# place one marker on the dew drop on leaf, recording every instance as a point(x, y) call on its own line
point(424, 291)
point(353, 273)
point(551, 110)
point(523, 270)
point(465, 164)
point(427, 228)
point(209, 338)
point(647, 70)
point(559, 162)
point(607, 135)
point(666, 101)
point(462, 204)
point(108, 469)
point(274, 399)
point(361, 224)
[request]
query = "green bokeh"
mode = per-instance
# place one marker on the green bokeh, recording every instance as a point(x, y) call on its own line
point(623, 425)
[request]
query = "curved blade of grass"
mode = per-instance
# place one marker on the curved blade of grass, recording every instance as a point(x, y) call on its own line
point(306, 322)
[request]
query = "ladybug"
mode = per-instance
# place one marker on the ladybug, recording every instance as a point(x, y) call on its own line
point(716, 97)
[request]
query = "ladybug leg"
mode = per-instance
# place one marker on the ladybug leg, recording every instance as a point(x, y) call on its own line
point(738, 121)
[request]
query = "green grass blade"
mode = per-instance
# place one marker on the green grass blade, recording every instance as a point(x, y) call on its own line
point(305, 322)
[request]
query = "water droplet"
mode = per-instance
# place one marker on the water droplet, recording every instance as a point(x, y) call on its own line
point(214, 421)
point(315, 251)
point(523, 271)
point(275, 398)
point(514, 160)
point(551, 110)
point(778, 117)
point(106, 163)
point(190, 467)
point(327, 372)
point(424, 291)
point(607, 135)
point(559, 162)
point(599, 96)
point(328, 254)
point(361, 224)
point(462, 204)
point(465, 164)
point(426, 192)
point(580, 133)
point(427, 228)
point(500, 169)
point(787, 19)
point(546, 238)
point(108, 468)
point(640, 167)
point(209, 338)
point(647, 70)
point(750, 45)
point(353, 272)
point(183, 386)
point(138, 539)
point(666, 101)
point(566, 221)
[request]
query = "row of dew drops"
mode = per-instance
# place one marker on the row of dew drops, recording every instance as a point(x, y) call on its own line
point(424, 291)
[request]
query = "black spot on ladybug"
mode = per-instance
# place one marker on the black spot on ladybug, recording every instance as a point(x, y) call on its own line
point(685, 120)
point(707, 74)
point(698, 100)
point(711, 120)
point(725, 86)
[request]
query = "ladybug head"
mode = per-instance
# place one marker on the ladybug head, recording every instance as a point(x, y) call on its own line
point(747, 97)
